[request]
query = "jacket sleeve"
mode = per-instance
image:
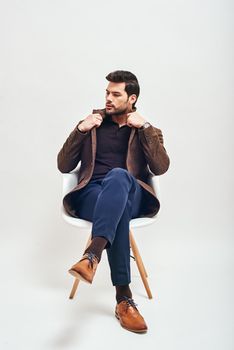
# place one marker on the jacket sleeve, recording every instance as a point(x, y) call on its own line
point(156, 155)
point(69, 156)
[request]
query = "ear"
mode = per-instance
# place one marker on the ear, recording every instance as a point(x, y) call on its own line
point(133, 98)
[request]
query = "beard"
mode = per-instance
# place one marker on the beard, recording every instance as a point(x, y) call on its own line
point(119, 111)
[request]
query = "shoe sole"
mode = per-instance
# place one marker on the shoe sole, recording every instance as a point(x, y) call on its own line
point(78, 275)
point(131, 330)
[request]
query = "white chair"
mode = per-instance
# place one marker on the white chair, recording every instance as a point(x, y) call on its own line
point(70, 180)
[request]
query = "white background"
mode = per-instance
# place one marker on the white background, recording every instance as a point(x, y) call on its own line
point(54, 59)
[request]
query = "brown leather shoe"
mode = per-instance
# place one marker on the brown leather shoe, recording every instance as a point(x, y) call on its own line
point(85, 268)
point(129, 316)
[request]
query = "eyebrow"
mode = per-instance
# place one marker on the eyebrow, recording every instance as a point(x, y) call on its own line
point(115, 92)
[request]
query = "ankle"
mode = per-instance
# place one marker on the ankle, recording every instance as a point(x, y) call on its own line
point(96, 247)
point(122, 292)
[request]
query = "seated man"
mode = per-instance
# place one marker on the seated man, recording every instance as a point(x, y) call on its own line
point(118, 150)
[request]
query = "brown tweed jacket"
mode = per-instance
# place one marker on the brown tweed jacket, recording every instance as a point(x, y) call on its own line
point(146, 156)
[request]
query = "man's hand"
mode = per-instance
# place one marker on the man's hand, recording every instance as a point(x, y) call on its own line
point(90, 121)
point(135, 119)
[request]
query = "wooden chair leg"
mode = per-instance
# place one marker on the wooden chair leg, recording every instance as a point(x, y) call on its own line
point(140, 265)
point(74, 288)
point(140, 259)
point(76, 282)
point(133, 243)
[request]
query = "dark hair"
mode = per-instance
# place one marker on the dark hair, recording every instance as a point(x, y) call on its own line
point(130, 80)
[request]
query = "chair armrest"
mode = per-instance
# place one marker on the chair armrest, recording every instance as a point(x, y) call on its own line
point(70, 180)
point(154, 181)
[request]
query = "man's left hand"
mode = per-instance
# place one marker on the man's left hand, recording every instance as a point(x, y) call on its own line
point(135, 119)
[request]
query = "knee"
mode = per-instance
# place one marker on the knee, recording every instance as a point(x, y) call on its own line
point(120, 176)
point(119, 172)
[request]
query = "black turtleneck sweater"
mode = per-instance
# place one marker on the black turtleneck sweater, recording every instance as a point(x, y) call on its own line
point(112, 145)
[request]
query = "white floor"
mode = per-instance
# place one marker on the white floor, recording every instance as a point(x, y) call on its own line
point(190, 279)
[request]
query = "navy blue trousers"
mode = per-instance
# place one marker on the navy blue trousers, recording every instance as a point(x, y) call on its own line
point(110, 203)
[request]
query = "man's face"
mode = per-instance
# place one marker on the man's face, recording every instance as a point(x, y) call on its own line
point(117, 100)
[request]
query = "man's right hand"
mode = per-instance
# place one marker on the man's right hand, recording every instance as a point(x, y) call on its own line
point(90, 121)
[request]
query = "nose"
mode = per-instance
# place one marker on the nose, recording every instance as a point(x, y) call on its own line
point(108, 99)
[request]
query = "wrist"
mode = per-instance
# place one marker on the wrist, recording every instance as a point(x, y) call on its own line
point(81, 129)
point(144, 125)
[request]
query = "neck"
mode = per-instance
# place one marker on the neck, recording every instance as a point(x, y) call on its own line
point(121, 119)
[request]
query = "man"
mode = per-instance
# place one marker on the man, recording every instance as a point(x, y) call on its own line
point(119, 151)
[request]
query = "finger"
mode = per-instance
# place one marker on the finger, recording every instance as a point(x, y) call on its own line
point(99, 117)
point(98, 122)
point(128, 121)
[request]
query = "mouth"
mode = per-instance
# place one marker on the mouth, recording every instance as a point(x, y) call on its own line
point(109, 106)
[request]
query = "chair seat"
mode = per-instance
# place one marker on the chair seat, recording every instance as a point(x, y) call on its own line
point(137, 222)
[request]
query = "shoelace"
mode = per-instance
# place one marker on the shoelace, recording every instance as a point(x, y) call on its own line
point(130, 302)
point(91, 257)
